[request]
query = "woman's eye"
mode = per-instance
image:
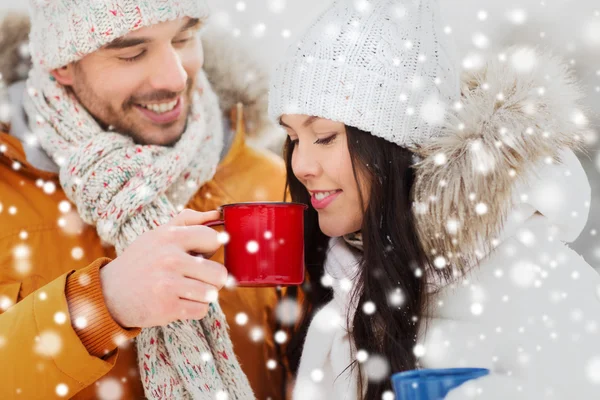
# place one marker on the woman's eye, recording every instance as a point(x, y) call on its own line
point(326, 140)
point(294, 142)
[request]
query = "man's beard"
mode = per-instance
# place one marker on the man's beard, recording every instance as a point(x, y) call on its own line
point(123, 120)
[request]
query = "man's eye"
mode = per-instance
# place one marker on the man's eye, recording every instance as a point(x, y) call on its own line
point(183, 41)
point(134, 58)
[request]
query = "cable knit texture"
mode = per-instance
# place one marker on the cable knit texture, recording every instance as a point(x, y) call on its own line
point(125, 189)
point(383, 66)
point(63, 31)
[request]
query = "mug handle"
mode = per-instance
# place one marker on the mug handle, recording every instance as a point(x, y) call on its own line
point(218, 222)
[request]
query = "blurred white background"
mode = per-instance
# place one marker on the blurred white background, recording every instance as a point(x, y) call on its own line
point(570, 28)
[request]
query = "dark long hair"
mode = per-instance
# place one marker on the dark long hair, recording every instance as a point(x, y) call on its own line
point(392, 254)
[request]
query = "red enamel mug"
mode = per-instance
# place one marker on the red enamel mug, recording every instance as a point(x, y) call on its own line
point(265, 244)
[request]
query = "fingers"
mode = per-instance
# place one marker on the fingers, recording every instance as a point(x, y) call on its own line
point(196, 238)
point(194, 290)
point(190, 217)
point(207, 271)
point(192, 309)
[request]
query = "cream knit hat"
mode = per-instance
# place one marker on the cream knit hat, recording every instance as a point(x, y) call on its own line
point(63, 31)
point(383, 66)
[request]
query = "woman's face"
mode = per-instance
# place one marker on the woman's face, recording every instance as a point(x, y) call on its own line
point(321, 162)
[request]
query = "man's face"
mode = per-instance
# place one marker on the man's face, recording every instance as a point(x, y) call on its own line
point(141, 85)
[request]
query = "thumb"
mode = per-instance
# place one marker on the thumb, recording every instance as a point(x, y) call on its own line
point(190, 217)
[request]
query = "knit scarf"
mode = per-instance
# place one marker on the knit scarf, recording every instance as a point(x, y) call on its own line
point(326, 368)
point(126, 189)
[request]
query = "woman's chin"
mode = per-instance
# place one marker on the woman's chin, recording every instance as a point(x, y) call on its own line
point(334, 228)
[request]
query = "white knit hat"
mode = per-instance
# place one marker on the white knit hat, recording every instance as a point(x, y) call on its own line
point(383, 66)
point(63, 31)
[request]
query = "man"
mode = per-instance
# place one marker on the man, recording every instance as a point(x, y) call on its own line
point(115, 132)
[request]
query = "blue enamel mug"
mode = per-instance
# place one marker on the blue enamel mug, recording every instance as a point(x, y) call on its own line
point(432, 384)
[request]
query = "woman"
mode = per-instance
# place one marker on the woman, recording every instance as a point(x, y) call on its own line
point(435, 231)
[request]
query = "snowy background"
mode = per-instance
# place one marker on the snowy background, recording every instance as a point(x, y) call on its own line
point(570, 28)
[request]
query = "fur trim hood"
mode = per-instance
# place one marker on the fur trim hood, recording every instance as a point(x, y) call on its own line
point(516, 113)
point(236, 76)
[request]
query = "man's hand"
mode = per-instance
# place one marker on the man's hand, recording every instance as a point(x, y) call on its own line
point(156, 280)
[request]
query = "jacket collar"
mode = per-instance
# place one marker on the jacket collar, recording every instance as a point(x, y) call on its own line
point(513, 132)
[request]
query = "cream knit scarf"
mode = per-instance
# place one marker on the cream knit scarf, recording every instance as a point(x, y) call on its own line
point(326, 370)
point(126, 189)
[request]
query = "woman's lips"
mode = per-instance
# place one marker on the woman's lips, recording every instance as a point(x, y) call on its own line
point(163, 118)
point(324, 202)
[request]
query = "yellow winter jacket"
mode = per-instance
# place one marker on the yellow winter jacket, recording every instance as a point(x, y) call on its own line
point(45, 249)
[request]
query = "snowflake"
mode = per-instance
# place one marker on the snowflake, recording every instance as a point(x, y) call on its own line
point(440, 159)
point(60, 317)
point(362, 356)
point(240, 6)
point(109, 389)
point(481, 208)
point(452, 226)
point(593, 370)
point(84, 279)
point(259, 30)
point(388, 395)
point(287, 312)
point(6, 112)
point(591, 33)
point(476, 309)
point(369, 308)
point(223, 237)
point(276, 6)
point(480, 41)
point(80, 322)
point(433, 111)
point(48, 343)
point(327, 320)
point(377, 368)
point(5, 303)
point(362, 6)
point(419, 350)
point(257, 334)
point(252, 247)
point(221, 395)
point(241, 319)
point(77, 253)
point(280, 337)
point(316, 375)
point(517, 16)
point(524, 60)
point(579, 119)
point(396, 298)
point(440, 262)
point(62, 389)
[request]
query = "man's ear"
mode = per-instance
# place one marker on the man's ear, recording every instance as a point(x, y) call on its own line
point(64, 75)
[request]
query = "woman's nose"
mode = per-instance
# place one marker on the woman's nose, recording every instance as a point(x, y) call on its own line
point(305, 163)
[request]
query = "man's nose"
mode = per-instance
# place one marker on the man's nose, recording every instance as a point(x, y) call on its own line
point(168, 73)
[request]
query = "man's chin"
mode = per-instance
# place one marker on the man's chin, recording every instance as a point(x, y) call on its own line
point(163, 135)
